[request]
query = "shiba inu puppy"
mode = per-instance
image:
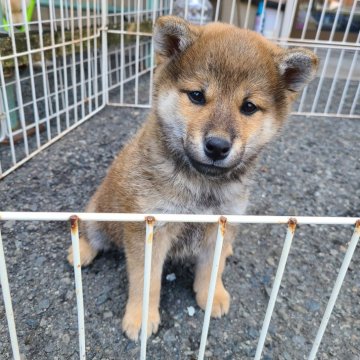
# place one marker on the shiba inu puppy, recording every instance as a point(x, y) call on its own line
point(220, 94)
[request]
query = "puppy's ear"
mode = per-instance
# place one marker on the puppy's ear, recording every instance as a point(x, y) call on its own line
point(172, 35)
point(297, 67)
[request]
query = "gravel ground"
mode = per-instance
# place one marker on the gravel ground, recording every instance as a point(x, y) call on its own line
point(311, 169)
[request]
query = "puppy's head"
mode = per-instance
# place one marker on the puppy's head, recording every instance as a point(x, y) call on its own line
point(221, 93)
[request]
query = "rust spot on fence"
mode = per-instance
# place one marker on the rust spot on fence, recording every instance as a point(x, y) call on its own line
point(74, 220)
point(222, 222)
point(357, 226)
point(150, 220)
point(292, 224)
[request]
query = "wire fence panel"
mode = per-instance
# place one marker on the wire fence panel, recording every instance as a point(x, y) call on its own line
point(331, 32)
point(50, 75)
point(150, 224)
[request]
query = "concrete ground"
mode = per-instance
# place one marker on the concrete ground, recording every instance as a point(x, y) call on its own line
point(313, 168)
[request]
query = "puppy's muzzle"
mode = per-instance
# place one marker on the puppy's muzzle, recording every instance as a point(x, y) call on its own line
point(216, 148)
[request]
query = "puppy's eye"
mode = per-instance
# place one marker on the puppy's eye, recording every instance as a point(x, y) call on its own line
point(196, 97)
point(248, 108)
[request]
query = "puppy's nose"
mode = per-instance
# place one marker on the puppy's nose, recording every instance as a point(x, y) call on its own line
point(217, 148)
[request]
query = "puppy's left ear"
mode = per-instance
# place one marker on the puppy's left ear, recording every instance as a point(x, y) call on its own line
point(173, 35)
point(297, 68)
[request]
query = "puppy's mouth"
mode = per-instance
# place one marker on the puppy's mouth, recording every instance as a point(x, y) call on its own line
point(208, 169)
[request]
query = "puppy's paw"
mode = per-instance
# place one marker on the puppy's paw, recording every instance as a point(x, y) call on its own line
point(131, 323)
point(221, 302)
point(87, 253)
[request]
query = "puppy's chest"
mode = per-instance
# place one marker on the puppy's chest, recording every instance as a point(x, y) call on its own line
point(230, 200)
point(189, 240)
point(188, 198)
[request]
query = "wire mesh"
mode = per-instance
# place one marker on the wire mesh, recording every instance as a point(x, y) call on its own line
point(50, 75)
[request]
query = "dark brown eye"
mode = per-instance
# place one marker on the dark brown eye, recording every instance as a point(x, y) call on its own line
point(248, 108)
point(196, 97)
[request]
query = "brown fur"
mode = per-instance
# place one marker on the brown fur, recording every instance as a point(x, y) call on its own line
point(163, 169)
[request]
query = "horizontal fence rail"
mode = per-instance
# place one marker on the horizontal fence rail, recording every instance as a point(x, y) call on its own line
point(235, 219)
point(150, 223)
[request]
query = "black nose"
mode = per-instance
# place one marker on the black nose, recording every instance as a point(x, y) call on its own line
point(217, 148)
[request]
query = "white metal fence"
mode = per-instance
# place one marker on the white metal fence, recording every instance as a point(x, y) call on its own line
point(71, 58)
point(150, 223)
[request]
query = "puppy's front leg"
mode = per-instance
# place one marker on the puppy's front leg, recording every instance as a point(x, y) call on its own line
point(135, 251)
point(203, 268)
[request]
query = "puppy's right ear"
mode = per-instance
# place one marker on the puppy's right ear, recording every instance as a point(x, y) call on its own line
point(172, 35)
point(298, 67)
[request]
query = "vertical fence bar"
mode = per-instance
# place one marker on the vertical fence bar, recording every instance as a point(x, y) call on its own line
point(82, 76)
point(232, 13)
point(217, 10)
point(7, 302)
point(321, 80)
point(353, 106)
point(323, 12)
point(303, 33)
point(202, 12)
point(7, 114)
point(274, 292)
point(247, 14)
point(137, 48)
point(88, 33)
point(335, 292)
point(95, 54)
point(334, 81)
point(288, 21)
point(277, 19)
point(2, 120)
point(104, 50)
point(73, 61)
point(317, 36)
point(32, 77)
point(348, 26)
point(66, 100)
point(262, 16)
point(171, 7)
point(74, 221)
point(186, 9)
point(43, 70)
point(55, 94)
point(211, 292)
point(348, 78)
point(122, 55)
point(152, 55)
point(150, 220)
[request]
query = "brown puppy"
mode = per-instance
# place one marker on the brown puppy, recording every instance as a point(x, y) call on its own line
point(220, 94)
